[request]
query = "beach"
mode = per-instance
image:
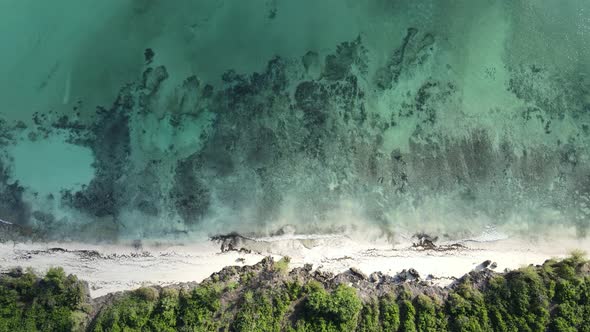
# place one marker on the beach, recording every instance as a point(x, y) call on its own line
point(113, 268)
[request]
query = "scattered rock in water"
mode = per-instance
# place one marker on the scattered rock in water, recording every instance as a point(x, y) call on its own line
point(137, 245)
point(14, 232)
point(43, 217)
point(486, 265)
point(149, 55)
point(285, 230)
point(311, 63)
point(231, 242)
point(427, 242)
point(89, 254)
point(153, 77)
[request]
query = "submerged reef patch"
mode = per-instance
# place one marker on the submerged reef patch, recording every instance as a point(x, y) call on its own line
point(322, 142)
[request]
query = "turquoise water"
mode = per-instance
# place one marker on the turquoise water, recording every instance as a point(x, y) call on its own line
point(158, 119)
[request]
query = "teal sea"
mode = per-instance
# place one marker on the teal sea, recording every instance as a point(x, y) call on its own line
point(170, 119)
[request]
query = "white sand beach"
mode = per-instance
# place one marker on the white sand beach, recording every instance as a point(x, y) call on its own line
point(112, 268)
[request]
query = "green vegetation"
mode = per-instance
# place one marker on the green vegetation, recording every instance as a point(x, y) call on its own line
point(53, 303)
point(551, 297)
point(335, 311)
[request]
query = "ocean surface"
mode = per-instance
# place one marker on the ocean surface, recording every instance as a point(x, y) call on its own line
point(166, 119)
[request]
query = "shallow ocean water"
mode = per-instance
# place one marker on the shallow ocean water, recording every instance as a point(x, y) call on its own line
point(326, 116)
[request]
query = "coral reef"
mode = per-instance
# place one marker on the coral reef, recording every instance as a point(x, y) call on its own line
point(310, 137)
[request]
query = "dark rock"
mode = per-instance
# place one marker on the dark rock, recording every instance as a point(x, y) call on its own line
point(322, 276)
point(88, 254)
point(413, 51)
point(148, 207)
point(285, 230)
point(311, 97)
point(414, 274)
point(149, 55)
point(44, 217)
point(390, 74)
point(152, 78)
point(406, 275)
point(310, 60)
point(110, 144)
point(137, 244)
point(425, 241)
point(190, 196)
point(339, 64)
point(229, 242)
point(358, 273)
point(13, 208)
point(376, 277)
point(17, 272)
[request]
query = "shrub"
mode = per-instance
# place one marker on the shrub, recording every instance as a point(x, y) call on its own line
point(198, 307)
point(336, 311)
point(407, 316)
point(466, 309)
point(30, 303)
point(389, 313)
point(166, 312)
point(554, 297)
point(262, 311)
point(282, 266)
point(369, 317)
point(132, 312)
point(426, 317)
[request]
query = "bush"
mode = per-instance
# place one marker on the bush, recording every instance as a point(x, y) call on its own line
point(132, 312)
point(389, 313)
point(426, 317)
point(198, 307)
point(553, 297)
point(262, 311)
point(369, 318)
point(30, 303)
point(407, 316)
point(466, 309)
point(166, 312)
point(282, 266)
point(337, 311)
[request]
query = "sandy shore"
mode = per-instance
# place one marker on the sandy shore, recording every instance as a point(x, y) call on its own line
point(111, 268)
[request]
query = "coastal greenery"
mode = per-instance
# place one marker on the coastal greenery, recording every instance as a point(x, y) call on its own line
point(552, 297)
point(55, 302)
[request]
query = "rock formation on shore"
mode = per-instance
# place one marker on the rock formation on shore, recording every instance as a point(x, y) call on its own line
point(270, 297)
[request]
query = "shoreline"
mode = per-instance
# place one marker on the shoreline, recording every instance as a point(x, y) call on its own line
point(114, 268)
